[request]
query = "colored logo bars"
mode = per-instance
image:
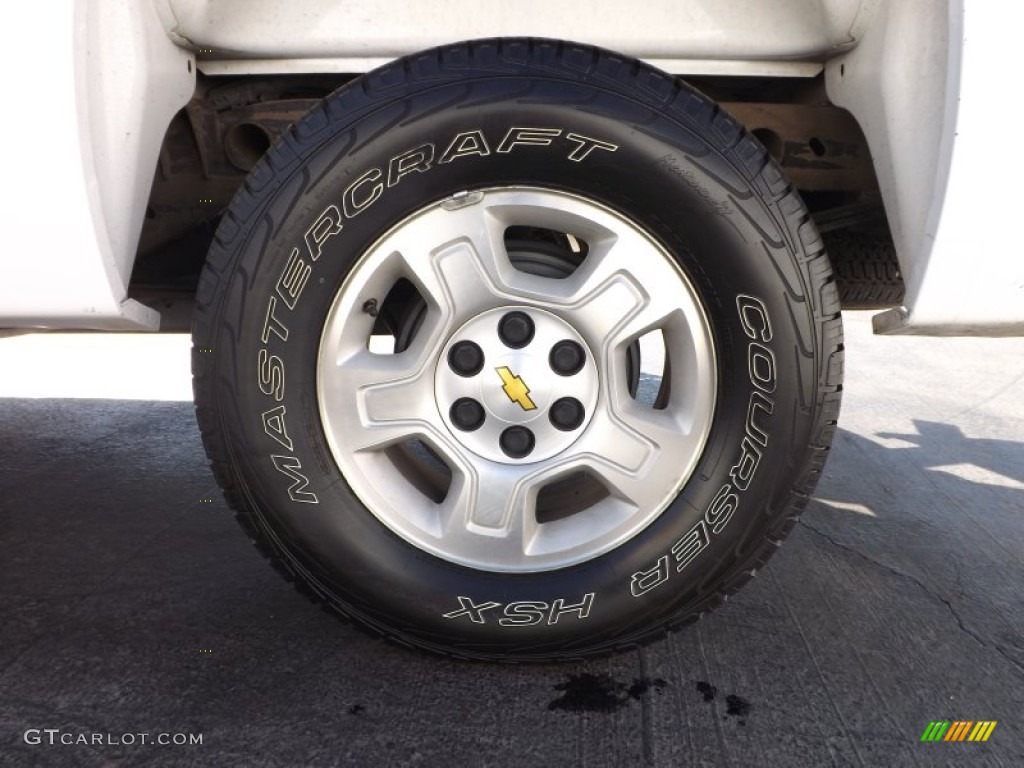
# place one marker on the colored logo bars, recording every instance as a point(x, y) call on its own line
point(958, 730)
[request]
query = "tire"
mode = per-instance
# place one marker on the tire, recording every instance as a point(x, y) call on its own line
point(866, 269)
point(433, 204)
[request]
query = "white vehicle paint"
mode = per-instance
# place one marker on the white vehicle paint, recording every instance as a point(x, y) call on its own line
point(83, 152)
point(792, 37)
point(97, 112)
point(928, 103)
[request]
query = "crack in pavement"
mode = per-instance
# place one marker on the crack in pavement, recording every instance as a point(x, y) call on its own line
point(924, 588)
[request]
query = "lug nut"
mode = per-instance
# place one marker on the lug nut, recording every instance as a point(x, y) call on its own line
point(567, 358)
point(466, 358)
point(566, 413)
point(515, 330)
point(467, 414)
point(516, 442)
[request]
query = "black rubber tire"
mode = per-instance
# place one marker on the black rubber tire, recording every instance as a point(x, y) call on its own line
point(686, 173)
point(866, 270)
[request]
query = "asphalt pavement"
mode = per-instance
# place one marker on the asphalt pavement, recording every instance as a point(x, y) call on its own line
point(131, 604)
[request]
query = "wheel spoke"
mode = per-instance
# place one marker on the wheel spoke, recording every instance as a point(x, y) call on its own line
point(632, 450)
point(611, 302)
point(491, 506)
point(456, 259)
point(394, 398)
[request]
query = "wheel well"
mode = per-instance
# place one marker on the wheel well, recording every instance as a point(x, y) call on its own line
point(216, 139)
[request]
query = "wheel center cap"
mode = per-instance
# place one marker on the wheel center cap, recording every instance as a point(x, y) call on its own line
point(516, 385)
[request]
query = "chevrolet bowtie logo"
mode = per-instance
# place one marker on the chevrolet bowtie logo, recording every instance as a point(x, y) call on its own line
point(515, 388)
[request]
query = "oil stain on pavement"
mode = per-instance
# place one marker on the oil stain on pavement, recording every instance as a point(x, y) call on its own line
point(736, 706)
point(587, 692)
